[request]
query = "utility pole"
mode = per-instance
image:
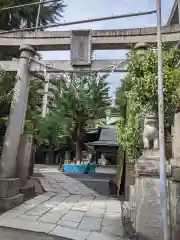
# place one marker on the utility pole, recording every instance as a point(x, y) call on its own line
point(163, 186)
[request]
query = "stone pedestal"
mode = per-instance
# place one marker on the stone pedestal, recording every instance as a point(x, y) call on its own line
point(28, 192)
point(147, 197)
point(129, 180)
point(175, 198)
point(23, 165)
point(24, 157)
point(9, 193)
point(175, 180)
point(176, 138)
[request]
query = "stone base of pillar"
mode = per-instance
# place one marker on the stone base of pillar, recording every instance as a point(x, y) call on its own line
point(28, 192)
point(9, 187)
point(147, 198)
point(129, 180)
point(24, 157)
point(9, 193)
point(175, 166)
point(175, 198)
point(11, 202)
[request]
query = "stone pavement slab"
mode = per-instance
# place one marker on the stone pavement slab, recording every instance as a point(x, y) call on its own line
point(99, 236)
point(58, 198)
point(68, 224)
point(74, 234)
point(24, 207)
point(10, 215)
point(62, 209)
point(29, 218)
point(50, 194)
point(28, 225)
point(15, 234)
point(73, 199)
point(38, 211)
point(50, 217)
point(112, 215)
point(96, 213)
point(83, 215)
point(73, 216)
point(113, 228)
point(90, 224)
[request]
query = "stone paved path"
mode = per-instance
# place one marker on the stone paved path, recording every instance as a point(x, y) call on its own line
point(68, 209)
point(15, 234)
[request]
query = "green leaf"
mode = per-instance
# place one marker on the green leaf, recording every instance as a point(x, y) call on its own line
point(139, 93)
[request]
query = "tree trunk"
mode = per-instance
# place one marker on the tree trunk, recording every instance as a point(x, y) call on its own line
point(78, 150)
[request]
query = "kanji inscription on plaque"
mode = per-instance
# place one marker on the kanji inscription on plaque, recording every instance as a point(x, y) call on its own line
point(80, 47)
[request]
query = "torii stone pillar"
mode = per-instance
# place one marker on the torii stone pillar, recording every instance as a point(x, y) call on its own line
point(16, 117)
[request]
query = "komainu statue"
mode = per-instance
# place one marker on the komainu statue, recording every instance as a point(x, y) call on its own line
point(151, 133)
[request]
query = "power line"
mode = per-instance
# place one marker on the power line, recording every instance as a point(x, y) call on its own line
point(80, 21)
point(27, 4)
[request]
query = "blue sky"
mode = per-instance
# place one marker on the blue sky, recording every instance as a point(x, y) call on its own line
point(83, 9)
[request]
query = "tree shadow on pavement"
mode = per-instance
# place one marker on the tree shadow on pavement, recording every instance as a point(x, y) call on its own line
point(97, 182)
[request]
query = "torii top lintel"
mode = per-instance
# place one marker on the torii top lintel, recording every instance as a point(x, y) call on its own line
point(101, 39)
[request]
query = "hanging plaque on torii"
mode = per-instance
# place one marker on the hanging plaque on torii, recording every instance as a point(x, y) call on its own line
point(81, 47)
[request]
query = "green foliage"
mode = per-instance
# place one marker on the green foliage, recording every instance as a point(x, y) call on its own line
point(119, 107)
point(33, 107)
point(144, 83)
point(6, 88)
point(48, 133)
point(140, 89)
point(26, 16)
point(129, 130)
point(18, 18)
point(7, 81)
point(87, 96)
point(77, 100)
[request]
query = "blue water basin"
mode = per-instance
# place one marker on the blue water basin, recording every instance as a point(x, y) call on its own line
point(83, 168)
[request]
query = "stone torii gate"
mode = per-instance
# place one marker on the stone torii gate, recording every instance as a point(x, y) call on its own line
point(81, 60)
point(15, 157)
point(80, 43)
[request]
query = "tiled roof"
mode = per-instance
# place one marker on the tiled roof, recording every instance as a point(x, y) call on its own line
point(107, 138)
